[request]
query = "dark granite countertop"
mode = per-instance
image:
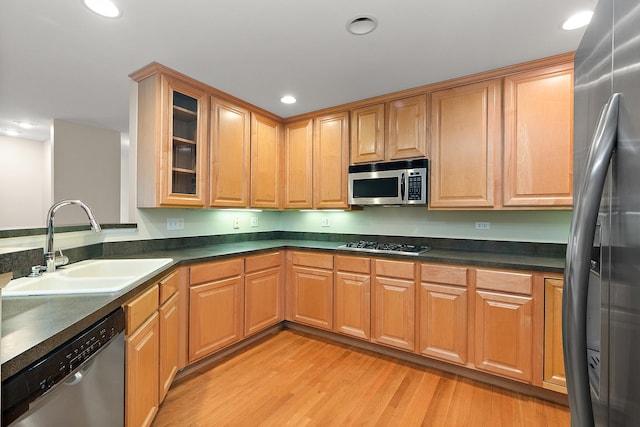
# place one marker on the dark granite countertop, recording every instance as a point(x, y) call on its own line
point(33, 326)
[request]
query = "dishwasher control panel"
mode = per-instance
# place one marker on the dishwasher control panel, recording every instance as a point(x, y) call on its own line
point(35, 380)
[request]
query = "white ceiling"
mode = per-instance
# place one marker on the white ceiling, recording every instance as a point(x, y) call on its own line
point(59, 60)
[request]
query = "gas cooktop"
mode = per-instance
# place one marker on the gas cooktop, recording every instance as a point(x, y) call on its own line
point(391, 248)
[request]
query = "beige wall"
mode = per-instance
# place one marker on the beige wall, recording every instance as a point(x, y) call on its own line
point(25, 182)
point(86, 167)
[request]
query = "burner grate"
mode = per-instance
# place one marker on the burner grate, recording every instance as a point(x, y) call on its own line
point(389, 247)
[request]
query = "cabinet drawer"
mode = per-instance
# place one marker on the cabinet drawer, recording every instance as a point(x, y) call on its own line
point(140, 309)
point(313, 259)
point(168, 286)
point(353, 264)
point(399, 269)
point(262, 262)
point(504, 281)
point(448, 275)
point(208, 272)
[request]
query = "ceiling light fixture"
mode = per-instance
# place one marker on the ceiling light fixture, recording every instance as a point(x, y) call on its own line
point(104, 8)
point(362, 25)
point(288, 99)
point(579, 20)
point(24, 125)
point(10, 132)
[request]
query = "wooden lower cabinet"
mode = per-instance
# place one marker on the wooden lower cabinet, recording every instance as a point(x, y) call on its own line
point(310, 294)
point(143, 357)
point(442, 313)
point(553, 374)
point(142, 351)
point(215, 316)
point(352, 303)
point(263, 294)
point(169, 326)
point(504, 324)
point(394, 297)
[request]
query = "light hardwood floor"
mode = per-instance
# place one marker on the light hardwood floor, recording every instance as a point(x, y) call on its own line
point(292, 379)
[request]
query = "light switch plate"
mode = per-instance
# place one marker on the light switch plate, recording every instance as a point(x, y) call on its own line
point(175, 223)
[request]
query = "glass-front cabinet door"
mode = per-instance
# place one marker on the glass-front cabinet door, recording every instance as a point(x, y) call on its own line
point(171, 138)
point(185, 153)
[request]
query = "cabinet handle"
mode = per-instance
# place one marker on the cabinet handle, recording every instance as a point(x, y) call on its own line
point(583, 225)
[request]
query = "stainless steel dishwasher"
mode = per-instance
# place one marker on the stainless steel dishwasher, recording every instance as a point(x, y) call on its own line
point(80, 383)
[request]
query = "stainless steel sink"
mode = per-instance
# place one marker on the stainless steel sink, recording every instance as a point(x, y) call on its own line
point(90, 276)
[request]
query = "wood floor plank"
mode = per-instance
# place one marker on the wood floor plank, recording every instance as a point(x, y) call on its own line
point(292, 379)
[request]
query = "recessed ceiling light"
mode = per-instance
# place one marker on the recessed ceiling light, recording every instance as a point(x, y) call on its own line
point(24, 125)
point(288, 99)
point(362, 25)
point(105, 8)
point(579, 20)
point(10, 132)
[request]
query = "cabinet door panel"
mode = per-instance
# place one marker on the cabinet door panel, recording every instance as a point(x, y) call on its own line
point(141, 395)
point(538, 132)
point(394, 312)
point(263, 300)
point(353, 304)
point(298, 165)
point(367, 134)
point(553, 376)
point(215, 316)
point(266, 162)
point(443, 322)
point(504, 334)
point(230, 155)
point(312, 296)
point(465, 146)
point(330, 161)
point(169, 325)
point(406, 128)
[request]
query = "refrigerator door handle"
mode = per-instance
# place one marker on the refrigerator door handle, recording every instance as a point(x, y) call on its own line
point(583, 224)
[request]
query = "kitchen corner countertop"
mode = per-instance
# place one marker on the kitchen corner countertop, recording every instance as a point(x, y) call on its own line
point(33, 326)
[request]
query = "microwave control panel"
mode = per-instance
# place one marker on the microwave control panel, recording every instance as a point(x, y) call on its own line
point(414, 186)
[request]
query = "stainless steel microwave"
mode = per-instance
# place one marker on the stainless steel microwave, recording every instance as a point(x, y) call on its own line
point(389, 183)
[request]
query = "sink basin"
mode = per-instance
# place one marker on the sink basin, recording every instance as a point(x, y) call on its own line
point(114, 267)
point(86, 277)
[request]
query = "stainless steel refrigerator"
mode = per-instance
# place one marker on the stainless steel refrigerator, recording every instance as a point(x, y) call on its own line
point(601, 306)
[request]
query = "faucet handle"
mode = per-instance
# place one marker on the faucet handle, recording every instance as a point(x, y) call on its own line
point(36, 271)
point(61, 259)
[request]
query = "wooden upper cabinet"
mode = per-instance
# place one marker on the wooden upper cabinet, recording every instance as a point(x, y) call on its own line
point(406, 128)
point(266, 162)
point(538, 133)
point(330, 161)
point(171, 140)
point(367, 134)
point(465, 146)
point(298, 165)
point(229, 154)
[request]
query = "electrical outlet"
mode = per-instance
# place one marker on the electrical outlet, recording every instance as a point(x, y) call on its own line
point(483, 226)
point(236, 222)
point(255, 222)
point(175, 223)
point(325, 222)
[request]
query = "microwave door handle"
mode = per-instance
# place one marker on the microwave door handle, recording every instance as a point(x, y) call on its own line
point(402, 187)
point(583, 225)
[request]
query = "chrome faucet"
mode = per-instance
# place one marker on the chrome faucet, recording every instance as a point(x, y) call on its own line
point(49, 253)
